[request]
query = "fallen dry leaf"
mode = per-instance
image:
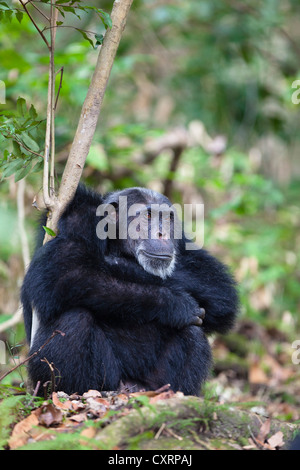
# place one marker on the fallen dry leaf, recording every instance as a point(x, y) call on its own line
point(89, 432)
point(77, 405)
point(264, 431)
point(278, 372)
point(20, 434)
point(162, 396)
point(276, 440)
point(66, 405)
point(50, 415)
point(256, 374)
point(79, 418)
point(92, 394)
point(103, 402)
point(250, 446)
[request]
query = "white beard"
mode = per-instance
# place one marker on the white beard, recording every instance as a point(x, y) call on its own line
point(156, 267)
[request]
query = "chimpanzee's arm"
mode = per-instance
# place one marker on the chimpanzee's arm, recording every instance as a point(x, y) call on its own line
point(64, 275)
point(211, 285)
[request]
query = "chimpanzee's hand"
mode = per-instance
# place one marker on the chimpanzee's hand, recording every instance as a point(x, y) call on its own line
point(197, 319)
point(184, 312)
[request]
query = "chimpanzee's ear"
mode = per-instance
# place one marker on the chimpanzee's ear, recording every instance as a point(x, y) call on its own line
point(109, 212)
point(111, 200)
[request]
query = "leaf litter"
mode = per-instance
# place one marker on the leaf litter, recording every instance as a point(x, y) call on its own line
point(65, 413)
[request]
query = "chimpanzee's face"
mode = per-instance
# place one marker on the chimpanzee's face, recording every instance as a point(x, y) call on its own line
point(150, 226)
point(154, 248)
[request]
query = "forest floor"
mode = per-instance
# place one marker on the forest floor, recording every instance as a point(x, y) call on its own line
point(252, 402)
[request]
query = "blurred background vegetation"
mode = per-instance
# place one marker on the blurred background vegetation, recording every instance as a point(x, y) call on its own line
point(218, 73)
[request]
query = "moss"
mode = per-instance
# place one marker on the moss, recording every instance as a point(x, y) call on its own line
point(61, 442)
point(9, 411)
point(236, 343)
point(137, 442)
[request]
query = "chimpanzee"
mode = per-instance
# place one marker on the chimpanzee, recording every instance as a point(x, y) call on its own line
point(135, 305)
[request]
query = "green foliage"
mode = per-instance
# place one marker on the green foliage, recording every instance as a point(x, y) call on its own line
point(8, 234)
point(49, 231)
point(9, 411)
point(77, 6)
point(73, 7)
point(59, 441)
point(7, 13)
point(22, 133)
point(141, 401)
point(229, 66)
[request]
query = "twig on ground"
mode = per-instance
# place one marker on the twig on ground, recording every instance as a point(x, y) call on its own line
point(34, 393)
point(52, 374)
point(56, 332)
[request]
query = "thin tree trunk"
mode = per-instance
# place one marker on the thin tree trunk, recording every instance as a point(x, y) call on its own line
point(90, 112)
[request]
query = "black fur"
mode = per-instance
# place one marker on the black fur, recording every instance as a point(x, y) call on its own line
point(121, 323)
point(296, 443)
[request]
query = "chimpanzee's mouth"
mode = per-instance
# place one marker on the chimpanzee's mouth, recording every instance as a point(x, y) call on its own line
point(162, 256)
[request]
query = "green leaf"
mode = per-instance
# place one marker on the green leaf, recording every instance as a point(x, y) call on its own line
point(21, 106)
point(49, 231)
point(29, 142)
point(85, 36)
point(70, 10)
point(61, 12)
point(32, 112)
point(20, 174)
point(8, 15)
point(6, 154)
point(16, 149)
point(99, 39)
point(11, 167)
point(38, 166)
point(106, 19)
point(19, 16)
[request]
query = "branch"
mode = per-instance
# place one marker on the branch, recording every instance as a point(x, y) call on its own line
point(54, 17)
point(28, 149)
point(14, 137)
point(90, 110)
point(31, 2)
point(18, 315)
point(21, 217)
point(50, 128)
point(14, 320)
point(47, 199)
point(34, 23)
point(61, 71)
point(168, 184)
point(52, 377)
point(56, 332)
